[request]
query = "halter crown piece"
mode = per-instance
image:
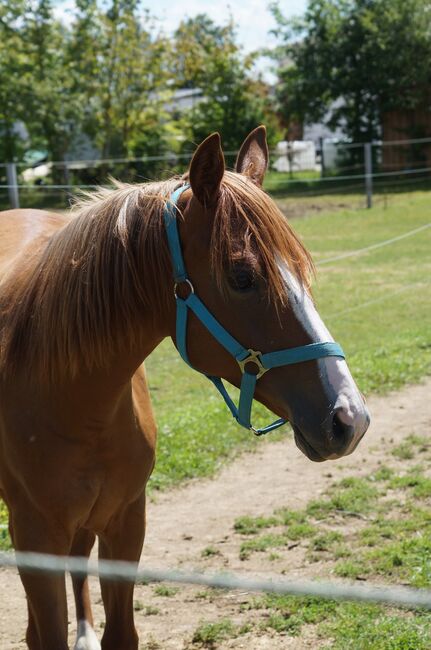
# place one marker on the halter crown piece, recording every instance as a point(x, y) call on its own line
point(243, 356)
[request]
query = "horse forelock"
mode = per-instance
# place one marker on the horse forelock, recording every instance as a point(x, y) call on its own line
point(249, 225)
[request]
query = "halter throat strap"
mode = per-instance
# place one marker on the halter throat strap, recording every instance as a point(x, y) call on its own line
point(245, 357)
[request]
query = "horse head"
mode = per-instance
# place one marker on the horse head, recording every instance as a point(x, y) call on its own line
point(251, 274)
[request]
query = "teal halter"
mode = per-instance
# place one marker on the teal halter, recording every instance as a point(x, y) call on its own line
point(243, 356)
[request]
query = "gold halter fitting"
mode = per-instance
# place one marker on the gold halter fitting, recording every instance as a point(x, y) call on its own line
point(254, 357)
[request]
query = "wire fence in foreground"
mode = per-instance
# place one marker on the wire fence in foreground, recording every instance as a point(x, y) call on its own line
point(129, 572)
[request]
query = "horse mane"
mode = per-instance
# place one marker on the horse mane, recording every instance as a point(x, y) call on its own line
point(78, 299)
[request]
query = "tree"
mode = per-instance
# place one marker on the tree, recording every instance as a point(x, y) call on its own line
point(57, 103)
point(207, 56)
point(130, 76)
point(355, 59)
point(14, 77)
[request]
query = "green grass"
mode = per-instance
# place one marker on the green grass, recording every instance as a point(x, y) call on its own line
point(368, 627)
point(5, 541)
point(410, 446)
point(165, 591)
point(207, 635)
point(210, 551)
point(349, 497)
point(392, 543)
point(388, 342)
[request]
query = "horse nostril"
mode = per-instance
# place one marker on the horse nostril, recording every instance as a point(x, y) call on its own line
point(341, 431)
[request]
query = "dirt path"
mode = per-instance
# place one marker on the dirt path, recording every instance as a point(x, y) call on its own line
point(192, 528)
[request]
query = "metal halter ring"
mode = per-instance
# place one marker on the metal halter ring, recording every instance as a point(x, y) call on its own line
point(253, 357)
point(187, 281)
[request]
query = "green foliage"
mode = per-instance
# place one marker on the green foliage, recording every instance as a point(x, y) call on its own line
point(392, 542)
point(207, 56)
point(251, 525)
point(14, 78)
point(289, 614)
point(365, 627)
point(351, 496)
point(420, 484)
point(358, 58)
point(5, 541)
point(210, 551)
point(207, 635)
point(110, 74)
point(147, 610)
point(165, 591)
point(412, 444)
point(291, 526)
point(262, 543)
point(325, 541)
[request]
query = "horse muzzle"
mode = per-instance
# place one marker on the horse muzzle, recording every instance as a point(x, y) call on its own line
point(338, 436)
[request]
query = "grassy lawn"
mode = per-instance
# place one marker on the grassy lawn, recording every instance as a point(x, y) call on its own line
point(375, 528)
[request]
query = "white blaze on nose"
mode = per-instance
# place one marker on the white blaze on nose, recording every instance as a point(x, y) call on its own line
point(333, 370)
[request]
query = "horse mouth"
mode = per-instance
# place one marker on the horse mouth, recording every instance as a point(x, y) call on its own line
point(305, 446)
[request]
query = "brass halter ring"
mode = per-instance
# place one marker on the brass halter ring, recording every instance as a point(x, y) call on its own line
point(253, 357)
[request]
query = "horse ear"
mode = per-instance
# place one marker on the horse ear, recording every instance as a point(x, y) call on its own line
point(252, 160)
point(207, 169)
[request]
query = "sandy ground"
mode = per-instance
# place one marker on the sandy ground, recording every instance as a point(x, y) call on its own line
point(184, 522)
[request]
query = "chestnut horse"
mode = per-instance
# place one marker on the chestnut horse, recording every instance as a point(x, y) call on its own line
point(84, 300)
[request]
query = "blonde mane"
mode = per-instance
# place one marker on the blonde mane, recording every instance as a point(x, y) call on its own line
point(80, 298)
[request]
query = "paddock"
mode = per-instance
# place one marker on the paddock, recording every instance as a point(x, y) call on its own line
point(388, 260)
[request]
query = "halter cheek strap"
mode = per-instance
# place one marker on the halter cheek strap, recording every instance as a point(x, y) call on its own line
point(244, 357)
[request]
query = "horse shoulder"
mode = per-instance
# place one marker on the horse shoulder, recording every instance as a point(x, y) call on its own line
point(142, 406)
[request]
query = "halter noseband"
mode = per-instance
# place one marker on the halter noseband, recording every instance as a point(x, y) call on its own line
point(243, 356)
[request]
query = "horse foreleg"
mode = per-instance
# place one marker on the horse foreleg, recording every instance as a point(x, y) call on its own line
point(46, 594)
point(122, 541)
point(86, 638)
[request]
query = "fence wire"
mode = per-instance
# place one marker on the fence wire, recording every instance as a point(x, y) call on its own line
point(130, 572)
point(372, 247)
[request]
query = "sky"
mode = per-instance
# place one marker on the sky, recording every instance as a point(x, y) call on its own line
point(252, 17)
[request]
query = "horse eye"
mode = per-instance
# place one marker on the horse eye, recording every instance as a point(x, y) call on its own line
point(242, 280)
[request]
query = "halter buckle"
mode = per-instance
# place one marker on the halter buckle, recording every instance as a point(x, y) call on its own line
point(253, 357)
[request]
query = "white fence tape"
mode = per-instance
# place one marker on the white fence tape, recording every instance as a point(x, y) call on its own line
point(129, 572)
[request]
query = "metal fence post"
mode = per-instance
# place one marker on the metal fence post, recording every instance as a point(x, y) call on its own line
point(12, 184)
point(322, 157)
point(368, 156)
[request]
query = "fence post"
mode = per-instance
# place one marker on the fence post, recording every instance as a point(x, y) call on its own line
point(66, 174)
point(12, 183)
point(322, 157)
point(368, 156)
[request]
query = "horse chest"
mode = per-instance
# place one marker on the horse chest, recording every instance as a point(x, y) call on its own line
point(83, 476)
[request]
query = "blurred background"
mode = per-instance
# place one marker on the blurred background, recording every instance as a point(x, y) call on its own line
point(90, 89)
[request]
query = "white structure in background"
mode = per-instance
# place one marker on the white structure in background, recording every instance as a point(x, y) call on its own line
point(295, 156)
point(36, 173)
